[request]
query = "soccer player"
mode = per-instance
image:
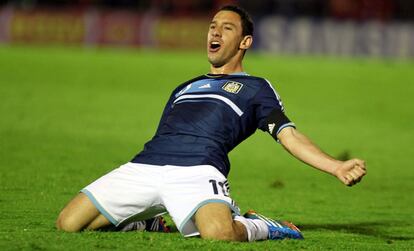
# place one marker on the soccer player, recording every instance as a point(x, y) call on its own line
point(183, 168)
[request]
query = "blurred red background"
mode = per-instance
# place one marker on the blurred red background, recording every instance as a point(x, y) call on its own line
point(364, 27)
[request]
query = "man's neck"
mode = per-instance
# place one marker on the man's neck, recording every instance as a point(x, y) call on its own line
point(226, 69)
point(232, 66)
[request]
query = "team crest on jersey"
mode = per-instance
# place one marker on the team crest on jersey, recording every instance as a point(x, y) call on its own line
point(232, 87)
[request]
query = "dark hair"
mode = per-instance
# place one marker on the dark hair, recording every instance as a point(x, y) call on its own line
point(246, 20)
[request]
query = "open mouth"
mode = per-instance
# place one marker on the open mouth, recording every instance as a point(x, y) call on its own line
point(214, 46)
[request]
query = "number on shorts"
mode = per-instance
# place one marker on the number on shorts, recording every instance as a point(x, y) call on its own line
point(224, 187)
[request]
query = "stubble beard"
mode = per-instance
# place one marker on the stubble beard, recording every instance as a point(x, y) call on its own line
point(219, 60)
point(216, 62)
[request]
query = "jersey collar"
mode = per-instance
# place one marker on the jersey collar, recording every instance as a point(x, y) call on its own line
point(210, 75)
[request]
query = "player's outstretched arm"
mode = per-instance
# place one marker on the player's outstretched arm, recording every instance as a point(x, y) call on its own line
point(348, 172)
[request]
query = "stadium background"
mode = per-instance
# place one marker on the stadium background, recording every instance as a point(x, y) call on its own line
point(335, 27)
point(82, 85)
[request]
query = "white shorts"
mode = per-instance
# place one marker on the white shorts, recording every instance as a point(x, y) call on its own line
point(139, 191)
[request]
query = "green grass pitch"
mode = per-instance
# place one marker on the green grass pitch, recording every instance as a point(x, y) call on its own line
point(70, 115)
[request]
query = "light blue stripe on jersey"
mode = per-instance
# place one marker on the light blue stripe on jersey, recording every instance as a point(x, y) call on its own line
point(213, 96)
point(291, 124)
point(242, 73)
point(284, 126)
point(99, 207)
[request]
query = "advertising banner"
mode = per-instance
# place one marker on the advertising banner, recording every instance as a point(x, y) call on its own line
point(184, 33)
point(273, 33)
point(119, 28)
point(306, 36)
point(45, 27)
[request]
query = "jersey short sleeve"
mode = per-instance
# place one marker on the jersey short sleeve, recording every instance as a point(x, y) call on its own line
point(270, 113)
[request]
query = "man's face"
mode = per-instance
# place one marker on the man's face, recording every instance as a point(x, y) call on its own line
point(224, 37)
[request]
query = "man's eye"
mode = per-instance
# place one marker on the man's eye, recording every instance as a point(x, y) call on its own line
point(212, 27)
point(228, 28)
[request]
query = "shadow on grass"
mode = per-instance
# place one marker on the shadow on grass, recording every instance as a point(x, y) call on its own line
point(374, 229)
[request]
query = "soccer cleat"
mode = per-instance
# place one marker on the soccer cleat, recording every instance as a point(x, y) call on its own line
point(277, 229)
point(156, 224)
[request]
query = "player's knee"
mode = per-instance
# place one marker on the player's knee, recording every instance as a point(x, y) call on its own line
point(67, 223)
point(218, 231)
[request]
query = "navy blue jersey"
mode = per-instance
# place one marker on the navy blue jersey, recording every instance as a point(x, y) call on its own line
point(206, 117)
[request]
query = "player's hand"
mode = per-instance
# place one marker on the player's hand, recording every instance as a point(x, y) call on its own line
point(351, 171)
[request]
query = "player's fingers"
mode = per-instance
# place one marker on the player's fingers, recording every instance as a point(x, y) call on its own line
point(361, 170)
point(356, 173)
point(353, 163)
point(343, 179)
point(351, 183)
point(354, 176)
point(358, 180)
point(349, 180)
point(360, 163)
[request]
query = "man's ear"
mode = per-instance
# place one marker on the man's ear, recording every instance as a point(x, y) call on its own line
point(246, 42)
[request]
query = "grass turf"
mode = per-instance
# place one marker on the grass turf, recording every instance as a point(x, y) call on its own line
point(70, 115)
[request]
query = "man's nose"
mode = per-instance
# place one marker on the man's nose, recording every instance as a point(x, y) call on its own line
point(216, 32)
